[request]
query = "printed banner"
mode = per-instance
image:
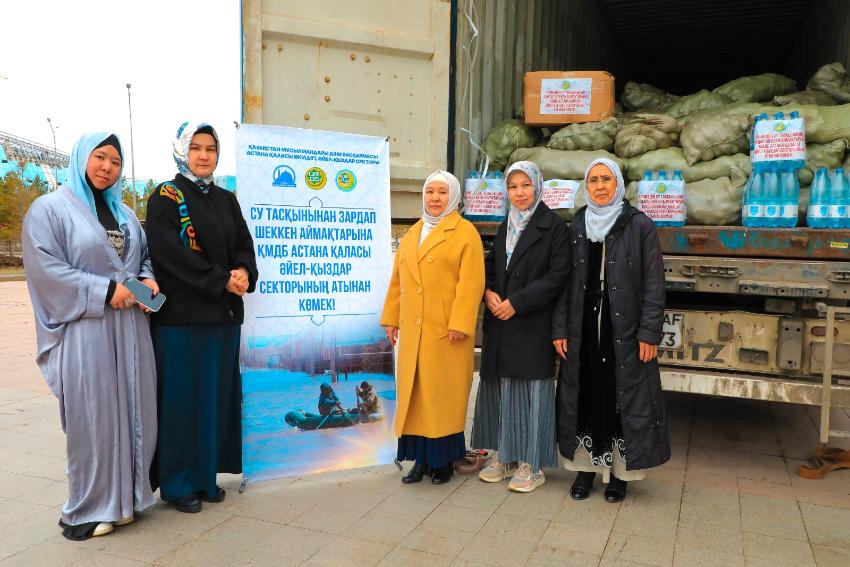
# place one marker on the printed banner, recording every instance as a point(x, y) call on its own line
point(565, 96)
point(485, 199)
point(560, 193)
point(779, 140)
point(317, 371)
point(662, 200)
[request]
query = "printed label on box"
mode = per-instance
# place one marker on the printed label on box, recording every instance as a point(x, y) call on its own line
point(779, 140)
point(662, 200)
point(560, 193)
point(565, 96)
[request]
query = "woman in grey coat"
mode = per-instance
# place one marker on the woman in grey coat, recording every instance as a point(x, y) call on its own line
point(80, 244)
point(607, 326)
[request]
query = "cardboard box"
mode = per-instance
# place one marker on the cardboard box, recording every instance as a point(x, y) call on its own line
point(565, 97)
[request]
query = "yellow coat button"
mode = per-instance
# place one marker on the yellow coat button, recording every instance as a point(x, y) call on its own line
point(402, 290)
point(418, 290)
point(430, 258)
point(419, 321)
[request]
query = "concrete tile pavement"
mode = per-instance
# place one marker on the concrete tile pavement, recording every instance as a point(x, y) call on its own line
point(729, 496)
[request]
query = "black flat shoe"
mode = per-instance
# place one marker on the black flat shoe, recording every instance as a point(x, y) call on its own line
point(189, 504)
point(415, 474)
point(582, 485)
point(215, 498)
point(616, 491)
point(442, 475)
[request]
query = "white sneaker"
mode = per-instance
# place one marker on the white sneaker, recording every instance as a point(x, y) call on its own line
point(102, 529)
point(525, 480)
point(496, 471)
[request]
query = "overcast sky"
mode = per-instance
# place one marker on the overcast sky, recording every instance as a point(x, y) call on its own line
point(71, 60)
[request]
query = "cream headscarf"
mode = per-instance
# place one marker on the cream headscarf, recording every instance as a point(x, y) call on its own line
point(517, 219)
point(599, 219)
point(429, 221)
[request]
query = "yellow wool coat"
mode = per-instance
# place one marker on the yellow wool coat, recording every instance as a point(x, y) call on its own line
point(434, 288)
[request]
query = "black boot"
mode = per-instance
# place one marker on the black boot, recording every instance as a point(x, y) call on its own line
point(616, 491)
point(442, 475)
point(416, 473)
point(582, 485)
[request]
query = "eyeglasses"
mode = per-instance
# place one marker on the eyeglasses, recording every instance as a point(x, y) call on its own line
point(602, 179)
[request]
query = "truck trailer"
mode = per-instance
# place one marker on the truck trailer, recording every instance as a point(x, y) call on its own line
point(753, 313)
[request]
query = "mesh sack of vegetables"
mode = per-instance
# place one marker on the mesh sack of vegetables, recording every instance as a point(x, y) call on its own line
point(507, 137)
point(832, 79)
point(757, 88)
point(710, 134)
point(645, 133)
point(716, 202)
point(828, 155)
point(562, 164)
point(644, 97)
point(671, 159)
point(702, 100)
point(586, 136)
point(819, 98)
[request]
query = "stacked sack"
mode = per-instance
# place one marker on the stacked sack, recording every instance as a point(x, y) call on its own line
point(705, 135)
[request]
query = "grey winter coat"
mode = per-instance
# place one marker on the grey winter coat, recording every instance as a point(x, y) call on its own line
point(635, 284)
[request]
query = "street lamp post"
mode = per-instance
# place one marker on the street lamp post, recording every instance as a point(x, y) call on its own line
point(132, 154)
point(55, 155)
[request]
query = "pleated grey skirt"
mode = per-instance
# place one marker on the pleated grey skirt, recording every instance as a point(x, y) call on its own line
point(517, 418)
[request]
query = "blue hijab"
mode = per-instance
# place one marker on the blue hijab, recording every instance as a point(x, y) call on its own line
point(77, 176)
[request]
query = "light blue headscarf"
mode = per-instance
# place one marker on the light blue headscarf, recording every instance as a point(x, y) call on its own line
point(77, 176)
point(517, 219)
point(599, 219)
point(180, 150)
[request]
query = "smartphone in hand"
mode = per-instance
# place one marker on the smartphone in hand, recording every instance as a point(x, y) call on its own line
point(144, 294)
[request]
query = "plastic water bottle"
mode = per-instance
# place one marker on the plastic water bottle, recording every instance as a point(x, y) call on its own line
point(677, 176)
point(779, 116)
point(771, 197)
point(647, 175)
point(838, 195)
point(662, 175)
point(817, 215)
point(473, 174)
point(752, 214)
point(790, 197)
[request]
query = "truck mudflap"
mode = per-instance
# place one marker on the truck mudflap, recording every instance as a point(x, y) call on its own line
point(801, 243)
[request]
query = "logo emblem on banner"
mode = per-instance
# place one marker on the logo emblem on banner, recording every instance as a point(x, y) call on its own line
point(315, 178)
point(565, 85)
point(346, 180)
point(780, 126)
point(284, 176)
point(661, 188)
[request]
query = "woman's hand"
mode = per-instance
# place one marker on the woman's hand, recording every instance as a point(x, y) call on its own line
point(491, 300)
point(561, 347)
point(151, 283)
point(235, 284)
point(392, 334)
point(241, 275)
point(647, 351)
point(456, 336)
point(504, 310)
point(122, 298)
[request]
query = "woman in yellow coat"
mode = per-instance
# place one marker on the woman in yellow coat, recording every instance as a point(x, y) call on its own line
point(431, 310)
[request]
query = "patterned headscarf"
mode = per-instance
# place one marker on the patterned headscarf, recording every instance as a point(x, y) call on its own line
point(518, 219)
point(600, 218)
point(429, 221)
point(77, 176)
point(180, 150)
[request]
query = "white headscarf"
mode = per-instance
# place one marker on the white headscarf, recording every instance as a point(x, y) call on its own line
point(518, 219)
point(600, 218)
point(429, 221)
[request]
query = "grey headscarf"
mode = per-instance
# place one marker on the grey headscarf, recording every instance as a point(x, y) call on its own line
point(600, 218)
point(517, 219)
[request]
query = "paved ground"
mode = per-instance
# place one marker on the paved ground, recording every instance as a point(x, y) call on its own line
point(728, 497)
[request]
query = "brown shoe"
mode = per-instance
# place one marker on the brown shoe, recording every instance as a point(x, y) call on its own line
point(473, 462)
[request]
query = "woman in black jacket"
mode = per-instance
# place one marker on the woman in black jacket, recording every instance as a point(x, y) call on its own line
point(203, 258)
point(608, 323)
point(525, 272)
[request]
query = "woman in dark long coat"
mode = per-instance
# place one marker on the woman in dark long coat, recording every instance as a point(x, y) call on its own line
point(203, 257)
point(611, 415)
point(526, 269)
